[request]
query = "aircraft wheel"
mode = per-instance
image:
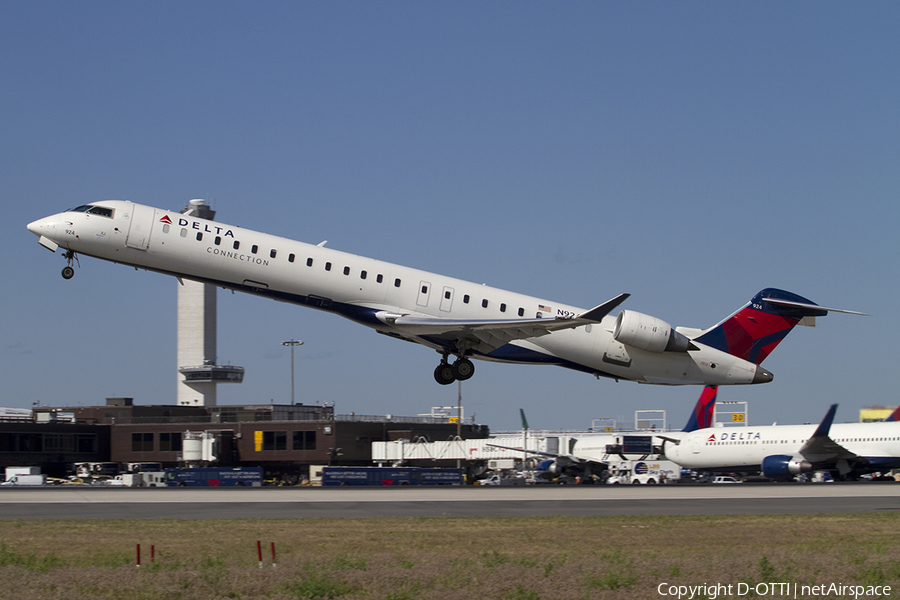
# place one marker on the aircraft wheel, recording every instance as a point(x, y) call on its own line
point(463, 369)
point(443, 374)
point(68, 272)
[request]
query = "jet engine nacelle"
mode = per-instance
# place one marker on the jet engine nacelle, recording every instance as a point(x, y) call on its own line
point(781, 466)
point(648, 333)
point(551, 466)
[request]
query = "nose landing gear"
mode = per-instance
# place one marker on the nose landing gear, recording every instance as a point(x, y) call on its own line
point(461, 369)
point(68, 271)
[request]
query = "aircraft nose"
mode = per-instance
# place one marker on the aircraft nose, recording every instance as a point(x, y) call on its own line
point(762, 376)
point(40, 227)
point(35, 227)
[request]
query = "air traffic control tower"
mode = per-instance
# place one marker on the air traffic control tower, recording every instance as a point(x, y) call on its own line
point(198, 373)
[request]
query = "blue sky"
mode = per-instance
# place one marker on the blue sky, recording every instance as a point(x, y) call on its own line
point(690, 154)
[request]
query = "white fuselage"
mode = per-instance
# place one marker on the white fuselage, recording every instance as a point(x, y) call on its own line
point(365, 290)
point(736, 447)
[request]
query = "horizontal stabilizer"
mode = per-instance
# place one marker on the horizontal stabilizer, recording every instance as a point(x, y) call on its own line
point(810, 310)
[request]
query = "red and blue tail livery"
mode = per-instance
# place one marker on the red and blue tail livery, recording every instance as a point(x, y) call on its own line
point(702, 417)
point(754, 331)
point(894, 416)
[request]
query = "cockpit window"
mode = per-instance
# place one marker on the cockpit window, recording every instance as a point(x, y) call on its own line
point(99, 210)
point(93, 210)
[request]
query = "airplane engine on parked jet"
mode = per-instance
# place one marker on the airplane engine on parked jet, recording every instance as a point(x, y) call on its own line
point(648, 333)
point(549, 466)
point(781, 466)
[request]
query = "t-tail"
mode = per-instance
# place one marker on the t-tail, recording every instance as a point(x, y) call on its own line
point(754, 331)
point(702, 417)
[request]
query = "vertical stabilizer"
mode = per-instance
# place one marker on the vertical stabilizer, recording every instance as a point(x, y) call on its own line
point(702, 416)
point(753, 332)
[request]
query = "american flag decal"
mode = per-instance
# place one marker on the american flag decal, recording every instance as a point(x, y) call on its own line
point(543, 308)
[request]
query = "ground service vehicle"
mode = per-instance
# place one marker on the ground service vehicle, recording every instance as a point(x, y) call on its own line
point(215, 477)
point(498, 480)
point(725, 479)
point(642, 472)
point(142, 479)
point(390, 476)
point(26, 480)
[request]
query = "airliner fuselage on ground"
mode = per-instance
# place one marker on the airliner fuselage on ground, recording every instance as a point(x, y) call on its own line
point(783, 451)
point(592, 452)
point(452, 316)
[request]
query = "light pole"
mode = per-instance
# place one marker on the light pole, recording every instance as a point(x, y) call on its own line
point(292, 343)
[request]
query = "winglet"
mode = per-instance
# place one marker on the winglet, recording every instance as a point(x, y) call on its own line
point(825, 425)
point(597, 313)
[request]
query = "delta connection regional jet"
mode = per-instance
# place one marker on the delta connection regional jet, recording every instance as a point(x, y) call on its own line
point(455, 317)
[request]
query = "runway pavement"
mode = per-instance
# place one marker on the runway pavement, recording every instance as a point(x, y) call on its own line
point(358, 502)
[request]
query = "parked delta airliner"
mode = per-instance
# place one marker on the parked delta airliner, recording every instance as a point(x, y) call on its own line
point(592, 452)
point(783, 451)
point(455, 317)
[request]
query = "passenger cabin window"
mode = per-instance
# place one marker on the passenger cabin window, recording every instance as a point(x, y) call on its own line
point(166, 228)
point(502, 307)
point(397, 282)
point(346, 270)
point(362, 274)
point(466, 299)
point(424, 289)
point(290, 258)
point(447, 294)
point(199, 236)
point(484, 303)
point(272, 253)
point(236, 244)
point(521, 312)
point(328, 266)
point(379, 278)
point(218, 240)
point(309, 262)
point(254, 248)
point(184, 233)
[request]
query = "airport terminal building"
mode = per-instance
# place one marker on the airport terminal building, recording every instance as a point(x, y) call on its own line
point(283, 439)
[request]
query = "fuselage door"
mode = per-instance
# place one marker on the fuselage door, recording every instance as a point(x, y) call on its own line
point(447, 299)
point(139, 229)
point(424, 292)
point(695, 444)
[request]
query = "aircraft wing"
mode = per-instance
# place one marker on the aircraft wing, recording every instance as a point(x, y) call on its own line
point(489, 334)
point(565, 459)
point(820, 447)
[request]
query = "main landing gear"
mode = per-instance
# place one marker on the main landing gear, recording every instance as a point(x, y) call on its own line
point(460, 370)
point(68, 271)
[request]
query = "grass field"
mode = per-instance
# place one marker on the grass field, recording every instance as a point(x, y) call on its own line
point(555, 558)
